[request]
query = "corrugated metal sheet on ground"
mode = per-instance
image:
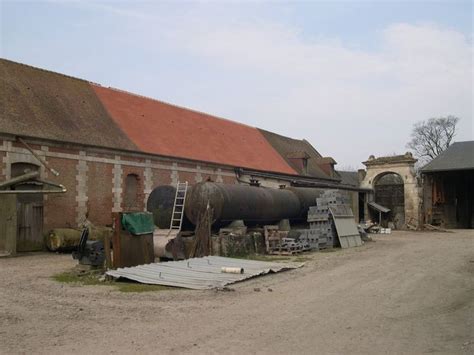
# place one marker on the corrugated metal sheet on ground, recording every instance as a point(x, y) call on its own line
point(198, 273)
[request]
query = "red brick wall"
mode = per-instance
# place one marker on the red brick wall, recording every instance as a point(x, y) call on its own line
point(99, 193)
point(161, 177)
point(189, 177)
point(229, 179)
point(60, 209)
point(139, 172)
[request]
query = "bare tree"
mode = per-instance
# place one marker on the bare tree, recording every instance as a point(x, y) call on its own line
point(431, 137)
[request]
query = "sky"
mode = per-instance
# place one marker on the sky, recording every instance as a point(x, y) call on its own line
point(351, 77)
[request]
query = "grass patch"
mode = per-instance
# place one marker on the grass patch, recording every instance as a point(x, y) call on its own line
point(301, 259)
point(92, 279)
point(86, 279)
point(137, 287)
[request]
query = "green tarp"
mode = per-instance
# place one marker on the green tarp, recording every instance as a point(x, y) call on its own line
point(138, 222)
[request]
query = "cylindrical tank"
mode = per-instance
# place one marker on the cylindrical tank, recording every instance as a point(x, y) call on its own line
point(306, 196)
point(67, 239)
point(254, 205)
point(160, 204)
point(248, 203)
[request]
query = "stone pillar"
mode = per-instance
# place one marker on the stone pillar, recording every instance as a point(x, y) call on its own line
point(148, 182)
point(219, 175)
point(81, 188)
point(174, 174)
point(117, 186)
point(198, 176)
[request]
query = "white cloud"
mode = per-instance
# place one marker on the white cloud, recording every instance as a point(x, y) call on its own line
point(348, 102)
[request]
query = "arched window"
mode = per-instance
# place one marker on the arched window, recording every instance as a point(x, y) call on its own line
point(131, 192)
point(21, 168)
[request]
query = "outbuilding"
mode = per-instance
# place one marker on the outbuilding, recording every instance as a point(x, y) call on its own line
point(448, 187)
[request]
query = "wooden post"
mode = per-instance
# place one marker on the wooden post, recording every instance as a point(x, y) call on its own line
point(117, 226)
point(108, 255)
point(8, 224)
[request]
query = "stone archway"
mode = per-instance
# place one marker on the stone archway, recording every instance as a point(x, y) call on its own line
point(402, 166)
point(389, 191)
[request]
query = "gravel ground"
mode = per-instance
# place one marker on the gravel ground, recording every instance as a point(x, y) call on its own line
point(404, 293)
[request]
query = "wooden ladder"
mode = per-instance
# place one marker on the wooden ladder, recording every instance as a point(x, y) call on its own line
point(178, 208)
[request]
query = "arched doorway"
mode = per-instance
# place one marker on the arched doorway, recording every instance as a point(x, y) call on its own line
point(401, 177)
point(389, 192)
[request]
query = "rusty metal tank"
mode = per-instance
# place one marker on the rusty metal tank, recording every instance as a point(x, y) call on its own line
point(249, 203)
point(254, 205)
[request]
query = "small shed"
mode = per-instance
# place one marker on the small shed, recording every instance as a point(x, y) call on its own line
point(448, 187)
point(379, 208)
point(21, 212)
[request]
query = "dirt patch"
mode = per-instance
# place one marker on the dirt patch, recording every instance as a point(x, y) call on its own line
point(405, 293)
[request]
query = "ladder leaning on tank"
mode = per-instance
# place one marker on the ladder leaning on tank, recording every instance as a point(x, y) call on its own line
point(178, 208)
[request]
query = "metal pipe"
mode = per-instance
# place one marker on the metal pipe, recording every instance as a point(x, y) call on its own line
point(63, 189)
point(21, 178)
point(50, 183)
point(41, 160)
point(303, 182)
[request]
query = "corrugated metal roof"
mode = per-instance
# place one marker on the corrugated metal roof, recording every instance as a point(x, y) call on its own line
point(199, 273)
point(378, 207)
point(459, 156)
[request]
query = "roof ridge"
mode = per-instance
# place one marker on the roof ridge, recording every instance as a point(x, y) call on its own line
point(128, 92)
point(282, 136)
point(304, 140)
point(49, 71)
point(440, 155)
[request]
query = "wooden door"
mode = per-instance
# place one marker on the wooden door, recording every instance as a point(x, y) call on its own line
point(30, 224)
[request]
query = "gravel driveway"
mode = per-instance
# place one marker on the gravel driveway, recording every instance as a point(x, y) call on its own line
point(404, 293)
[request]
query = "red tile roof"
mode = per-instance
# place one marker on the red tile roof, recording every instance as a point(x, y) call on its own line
point(164, 129)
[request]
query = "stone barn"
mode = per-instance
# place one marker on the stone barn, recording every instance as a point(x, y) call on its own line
point(111, 147)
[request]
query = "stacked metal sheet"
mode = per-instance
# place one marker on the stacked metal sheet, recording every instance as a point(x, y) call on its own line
point(345, 226)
